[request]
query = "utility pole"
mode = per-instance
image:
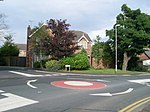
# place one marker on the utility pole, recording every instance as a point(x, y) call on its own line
point(116, 60)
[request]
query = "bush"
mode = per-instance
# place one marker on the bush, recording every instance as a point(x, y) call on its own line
point(81, 62)
point(37, 64)
point(140, 69)
point(67, 61)
point(52, 65)
point(44, 63)
point(78, 62)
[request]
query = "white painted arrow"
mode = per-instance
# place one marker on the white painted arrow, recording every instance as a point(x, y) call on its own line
point(29, 83)
point(113, 94)
point(141, 81)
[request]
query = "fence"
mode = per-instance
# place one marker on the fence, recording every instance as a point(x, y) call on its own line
point(13, 61)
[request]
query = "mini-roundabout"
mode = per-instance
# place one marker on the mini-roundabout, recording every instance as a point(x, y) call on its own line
point(74, 84)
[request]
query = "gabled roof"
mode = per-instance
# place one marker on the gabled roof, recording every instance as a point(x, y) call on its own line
point(79, 34)
point(43, 25)
point(148, 54)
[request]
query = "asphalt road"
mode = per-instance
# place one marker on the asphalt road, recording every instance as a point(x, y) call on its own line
point(33, 91)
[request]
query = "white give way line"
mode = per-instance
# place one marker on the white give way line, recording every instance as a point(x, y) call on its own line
point(141, 81)
point(25, 74)
point(13, 101)
point(113, 94)
point(29, 83)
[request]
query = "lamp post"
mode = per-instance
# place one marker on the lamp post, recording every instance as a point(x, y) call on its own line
point(116, 60)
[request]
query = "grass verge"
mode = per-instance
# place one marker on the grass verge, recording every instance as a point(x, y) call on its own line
point(107, 72)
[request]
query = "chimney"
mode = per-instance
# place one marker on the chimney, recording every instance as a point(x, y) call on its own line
point(28, 31)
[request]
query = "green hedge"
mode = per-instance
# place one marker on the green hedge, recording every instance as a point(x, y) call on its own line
point(78, 62)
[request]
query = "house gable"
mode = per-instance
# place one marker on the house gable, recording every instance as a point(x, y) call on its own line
point(22, 49)
point(83, 37)
point(147, 53)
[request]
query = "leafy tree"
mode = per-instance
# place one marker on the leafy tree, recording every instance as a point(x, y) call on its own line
point(97, 49)
point(108, 55)
point(40, 35)
point(9, 49)
point(61, 42)
point(133, 33)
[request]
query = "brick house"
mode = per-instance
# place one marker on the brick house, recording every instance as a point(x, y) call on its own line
point(22, 49)
point(83, 40)
point(144, 59)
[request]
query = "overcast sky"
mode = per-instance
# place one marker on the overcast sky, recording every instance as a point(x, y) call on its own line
point(90, 16)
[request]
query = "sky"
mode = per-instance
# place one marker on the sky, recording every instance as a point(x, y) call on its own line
point(90, 16)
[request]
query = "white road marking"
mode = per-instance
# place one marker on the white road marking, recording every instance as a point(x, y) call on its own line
point(102, 80)
point(1, 91)
point(90, 79)
point(31, 75)
point(141, 81)
point(113, 94)
point(78, 83)
point(25, 74)
point(14, 101)
point(29, 83)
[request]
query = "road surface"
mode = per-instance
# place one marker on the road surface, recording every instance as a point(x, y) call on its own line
point(40, 91)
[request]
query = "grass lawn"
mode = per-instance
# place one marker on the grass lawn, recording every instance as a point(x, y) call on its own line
point(107, 72)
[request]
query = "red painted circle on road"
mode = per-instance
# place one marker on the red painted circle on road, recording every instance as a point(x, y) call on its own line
point(78, 84)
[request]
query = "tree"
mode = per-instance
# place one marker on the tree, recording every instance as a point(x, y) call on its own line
point(40, 36)
point(133, 33)
point(3, 26)
point(97, 50)
point(108, 55)
point(62, 43)
point(9, 49)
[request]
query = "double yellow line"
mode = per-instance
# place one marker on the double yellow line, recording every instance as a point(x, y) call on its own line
point(135, 105)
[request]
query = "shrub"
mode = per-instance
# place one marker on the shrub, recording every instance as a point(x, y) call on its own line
point(37, 64)
point(78, 61)
point(52, 65)
point(44, 63)
point(67, 61)
point(81, 62)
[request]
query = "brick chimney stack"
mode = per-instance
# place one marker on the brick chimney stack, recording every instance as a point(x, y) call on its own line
point(29, 48)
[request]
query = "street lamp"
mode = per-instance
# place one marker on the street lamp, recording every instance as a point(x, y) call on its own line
point(116, 47)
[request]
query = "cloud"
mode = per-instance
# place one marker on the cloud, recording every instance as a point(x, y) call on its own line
point(90, 16)
point(101, 33)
